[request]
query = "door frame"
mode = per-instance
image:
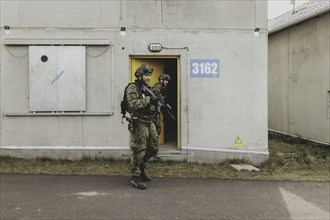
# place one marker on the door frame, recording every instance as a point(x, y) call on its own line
point(178, 110)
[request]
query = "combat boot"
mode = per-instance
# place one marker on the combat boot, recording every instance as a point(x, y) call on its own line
point(137, 183)
point(144, 174)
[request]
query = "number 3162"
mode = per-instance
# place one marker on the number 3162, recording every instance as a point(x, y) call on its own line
point(204, 68)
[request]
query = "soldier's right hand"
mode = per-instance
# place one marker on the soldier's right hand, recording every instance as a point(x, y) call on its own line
point(148, 98)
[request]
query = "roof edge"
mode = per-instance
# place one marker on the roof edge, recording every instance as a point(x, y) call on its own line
point(278, 29)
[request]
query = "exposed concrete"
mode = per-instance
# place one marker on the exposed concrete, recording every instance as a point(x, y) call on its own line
point(240, 167)
point(216, 156)
point(299, 80)
point(80, 152)
point(213, 111)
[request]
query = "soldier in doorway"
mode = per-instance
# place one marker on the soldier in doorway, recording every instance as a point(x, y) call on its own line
point(144, 136)
point(160, 90)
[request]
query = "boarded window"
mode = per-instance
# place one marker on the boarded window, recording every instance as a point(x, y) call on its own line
point(57, 78)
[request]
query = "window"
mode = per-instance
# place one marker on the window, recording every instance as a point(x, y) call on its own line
point(57, 78)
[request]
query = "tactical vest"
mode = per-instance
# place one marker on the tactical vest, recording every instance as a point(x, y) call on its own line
point(142, 115)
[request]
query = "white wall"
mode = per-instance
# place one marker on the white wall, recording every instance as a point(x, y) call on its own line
point(215, 111)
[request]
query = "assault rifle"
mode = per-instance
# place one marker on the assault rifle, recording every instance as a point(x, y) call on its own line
point(161, 104)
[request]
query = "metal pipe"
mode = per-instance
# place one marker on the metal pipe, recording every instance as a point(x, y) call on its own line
point(295, 136)
point(61, 148)
point(14, 114)
point(112, 82)
point(228, 151)
point(188, 101)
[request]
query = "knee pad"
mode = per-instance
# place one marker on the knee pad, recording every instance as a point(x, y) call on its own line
point(140, 155)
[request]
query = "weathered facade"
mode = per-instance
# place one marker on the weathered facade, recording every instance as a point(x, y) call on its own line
point(299, 72)
point(65, 64)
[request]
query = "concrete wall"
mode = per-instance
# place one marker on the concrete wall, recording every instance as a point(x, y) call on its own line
point(299, 80)
point(214, 111)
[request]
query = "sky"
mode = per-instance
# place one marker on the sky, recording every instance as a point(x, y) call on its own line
point(278, 7)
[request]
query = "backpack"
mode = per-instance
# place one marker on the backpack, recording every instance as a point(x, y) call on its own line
point(124, 105)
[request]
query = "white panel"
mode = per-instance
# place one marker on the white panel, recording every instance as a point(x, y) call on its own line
point(58, 83)
point(39, 42)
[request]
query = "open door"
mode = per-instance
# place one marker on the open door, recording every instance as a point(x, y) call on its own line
point(169, 136)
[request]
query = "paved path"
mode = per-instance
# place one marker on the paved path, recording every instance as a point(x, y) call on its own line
point(98, 197)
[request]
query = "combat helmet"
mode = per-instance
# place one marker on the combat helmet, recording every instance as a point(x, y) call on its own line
point(164, 77)
point(142, 70)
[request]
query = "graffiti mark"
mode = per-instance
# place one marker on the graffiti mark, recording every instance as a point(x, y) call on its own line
point(57, 77)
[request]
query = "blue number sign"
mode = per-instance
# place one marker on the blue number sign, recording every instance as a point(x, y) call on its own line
point(205, 68)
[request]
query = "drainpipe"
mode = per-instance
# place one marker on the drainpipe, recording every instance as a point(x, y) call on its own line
point(112, 81)
point(188, 101)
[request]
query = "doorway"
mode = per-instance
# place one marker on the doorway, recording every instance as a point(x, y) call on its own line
point(169, 136)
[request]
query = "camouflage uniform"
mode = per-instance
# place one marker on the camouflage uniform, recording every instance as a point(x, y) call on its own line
point(144, 136)
point(160, 91)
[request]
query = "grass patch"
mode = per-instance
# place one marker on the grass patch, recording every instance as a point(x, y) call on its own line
point(289, 160)
point(71, 167)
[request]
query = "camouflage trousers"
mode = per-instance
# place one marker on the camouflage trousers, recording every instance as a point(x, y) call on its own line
point(144, 145)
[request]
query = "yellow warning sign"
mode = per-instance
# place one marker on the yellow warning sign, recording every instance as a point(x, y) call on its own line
point(238, 142)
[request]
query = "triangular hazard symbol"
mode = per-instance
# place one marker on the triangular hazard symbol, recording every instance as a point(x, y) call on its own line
point(238, 142)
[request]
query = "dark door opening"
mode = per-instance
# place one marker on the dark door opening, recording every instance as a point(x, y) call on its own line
point(170, 127)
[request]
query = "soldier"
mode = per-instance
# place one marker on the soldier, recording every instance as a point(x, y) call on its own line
point(160, 90)
point(144, 136)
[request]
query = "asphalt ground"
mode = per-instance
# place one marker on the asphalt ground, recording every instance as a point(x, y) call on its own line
point(105, 197)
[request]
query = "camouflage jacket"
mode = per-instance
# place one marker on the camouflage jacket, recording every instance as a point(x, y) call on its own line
point(139, 105)
point(159, 90)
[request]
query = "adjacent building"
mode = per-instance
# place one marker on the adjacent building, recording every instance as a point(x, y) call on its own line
point(299, 72)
